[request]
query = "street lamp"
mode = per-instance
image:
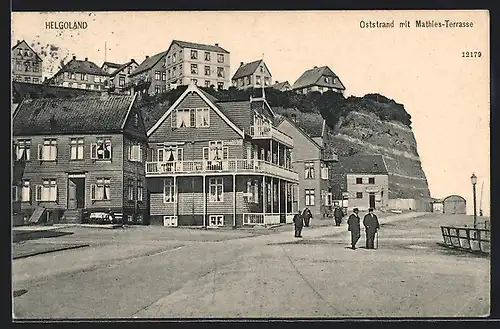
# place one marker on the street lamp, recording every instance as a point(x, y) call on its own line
point(473, 180)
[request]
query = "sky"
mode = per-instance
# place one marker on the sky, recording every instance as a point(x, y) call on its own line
point(446, 94)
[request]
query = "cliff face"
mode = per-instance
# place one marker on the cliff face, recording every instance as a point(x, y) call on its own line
point(362, 132)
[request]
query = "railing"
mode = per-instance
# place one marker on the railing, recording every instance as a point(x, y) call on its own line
point(229, 166)
point(260, 219)
point(268, 131)
point(471, 239)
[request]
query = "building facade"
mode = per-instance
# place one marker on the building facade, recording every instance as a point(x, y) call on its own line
point(26, 63)
point(82, 74)
point(361, 181)
point(255, 74)
point(215, 163)
point(149, 77)
point(119, 77)
point(82, 156)
point(319, 79)
point(199, 64)
point(312, 164)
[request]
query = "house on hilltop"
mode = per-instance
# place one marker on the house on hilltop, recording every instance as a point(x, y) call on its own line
point(83, 74)
point(26, 63)
point(255, 74)
point(119, 76)
point(318, 79)
point(81, 155)
point(282, 86)
point(149, 77)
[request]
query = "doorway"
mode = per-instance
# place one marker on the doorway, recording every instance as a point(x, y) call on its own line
point(372, 200)
point(76, 193)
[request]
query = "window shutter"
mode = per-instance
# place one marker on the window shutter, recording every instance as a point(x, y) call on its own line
point(140, 153)
point(40, 151)
point(225, 153)
point(93, 190)
point(205, 153)
point(38, 193)
point(55, 194)
point(180, 154)
point(93, 151)
point(110, 152)
point(173, 118)
point(131, 152)
point(55, 153)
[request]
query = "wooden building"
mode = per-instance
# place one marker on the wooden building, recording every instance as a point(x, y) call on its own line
point(214, 163)
point(82, 155)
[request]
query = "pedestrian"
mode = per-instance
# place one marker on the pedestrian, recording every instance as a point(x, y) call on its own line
point(307, 215)
point(338, 214)
point(370, 221)
point(298, 223)
point(354, 227)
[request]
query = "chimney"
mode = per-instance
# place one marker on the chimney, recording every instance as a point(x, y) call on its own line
point(86, 59)
point(241, 63)
point(294, 117)
point(132, 60)
point(18, 41)
point(315, 67)
point(74, 57)
point(147, 56)
point(276, 81)
point(217, 45)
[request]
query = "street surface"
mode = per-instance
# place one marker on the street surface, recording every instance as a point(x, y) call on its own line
point(160, 272)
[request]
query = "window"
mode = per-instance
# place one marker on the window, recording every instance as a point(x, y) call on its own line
point(309, 197)
point(74, 85)
point(249, 80)
point(26, 53)
point(27, 79)
point(207, 70)
point(216, 220)
point(359, 195)
point(76, 148)
point(101, 190)
point(207, 83)
point(309, 170)
point(129, 69)
point(220, 72)
point(25, 191)
point(136, 120)
point(216, 151)
point(140, 190)
point(183, 118)
point(359, 180)
point(19, 67)
point(20, 51)
point(194, 68)
point(121, 81)
point(194, 82)
point(174, 58)
point(194, 54)
point(220, 58)
point(73, 77)
point(261, 68)
point(327, 80)
point(168, 190)
point(257, 79)
point(202, 118)
point(135, 153)
point(36, 67)
point(371, 180)
point(180, 72)
point(266, 81)
point(157, 75)
point(23, 151)
point(220, 85)
point(163, 88)
point(164, 76)
point(27, 67)
point(216, 190)
point(84, 77)
point(130, 189)
point(324, 171)
point(207, 56)
point(101, 150)
point(47, 191)
point(48, 150)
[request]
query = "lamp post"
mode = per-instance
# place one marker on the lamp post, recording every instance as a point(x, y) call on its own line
point(473, 180)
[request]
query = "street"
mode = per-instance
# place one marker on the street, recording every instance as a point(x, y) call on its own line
point(160, 272)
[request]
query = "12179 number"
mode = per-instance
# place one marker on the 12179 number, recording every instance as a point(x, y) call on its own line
point(471, 54)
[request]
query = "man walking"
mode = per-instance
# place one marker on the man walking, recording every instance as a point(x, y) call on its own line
point(338, 214)
point(298, 223)
point(307, 216)
point(370, 221)
point(354, 227)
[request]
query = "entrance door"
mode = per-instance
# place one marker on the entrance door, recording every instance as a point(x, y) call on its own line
point(372, 200)
point(76, 193)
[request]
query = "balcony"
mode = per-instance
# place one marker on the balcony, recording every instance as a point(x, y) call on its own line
point(231, 166)
point(267, 131)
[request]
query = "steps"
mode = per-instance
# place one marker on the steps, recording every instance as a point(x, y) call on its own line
point(72, 216)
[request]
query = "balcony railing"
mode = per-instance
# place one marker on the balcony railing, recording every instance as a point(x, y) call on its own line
point(268, 131)
point(260, 219)
point(237, 166)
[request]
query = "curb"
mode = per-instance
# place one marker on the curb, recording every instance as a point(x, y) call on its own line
point(51, 250)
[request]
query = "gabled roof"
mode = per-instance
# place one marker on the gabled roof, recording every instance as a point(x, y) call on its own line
point(203, 95)
point(280, 118)
point(281, 85)
point(23, 41)
point(111, 64)
point(361, 164)
point(79, 66)
point(22, 90)
point(122, 67)
point(148, 63)
point(200, 46)
point(313, 77)
point(249, 69)
point(234, 109)
point(80, 115)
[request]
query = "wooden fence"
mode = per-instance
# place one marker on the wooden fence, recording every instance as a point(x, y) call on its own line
point(471, 239)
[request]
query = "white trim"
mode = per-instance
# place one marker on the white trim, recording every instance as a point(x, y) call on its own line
point(193, 88)
point(170, 221)
point(76, 175)
point(215, 217)
point(128, 111)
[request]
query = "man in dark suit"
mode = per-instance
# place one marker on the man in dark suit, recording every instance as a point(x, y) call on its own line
point(370, 221)
point(298, 222)
point(354, 227)
point(338, 214)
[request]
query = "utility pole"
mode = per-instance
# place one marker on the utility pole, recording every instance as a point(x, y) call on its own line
point(105, 51)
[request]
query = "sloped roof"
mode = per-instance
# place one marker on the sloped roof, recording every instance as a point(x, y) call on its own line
point(233, 110)
point(200, 46)
point(21, 90)
point(248, 69)
point(312, 77)
point(281, 85)
point(212, 98)
point(280, 118)
point(81, 115)
point(79, 66)
point(111, 64)
point(123, 66)
point(23, 41)
point(311, 123)
point(360, 164)
point(148, 63)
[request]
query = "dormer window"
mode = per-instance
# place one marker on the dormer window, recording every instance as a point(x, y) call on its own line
point(327, 80)
point(26, 53)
